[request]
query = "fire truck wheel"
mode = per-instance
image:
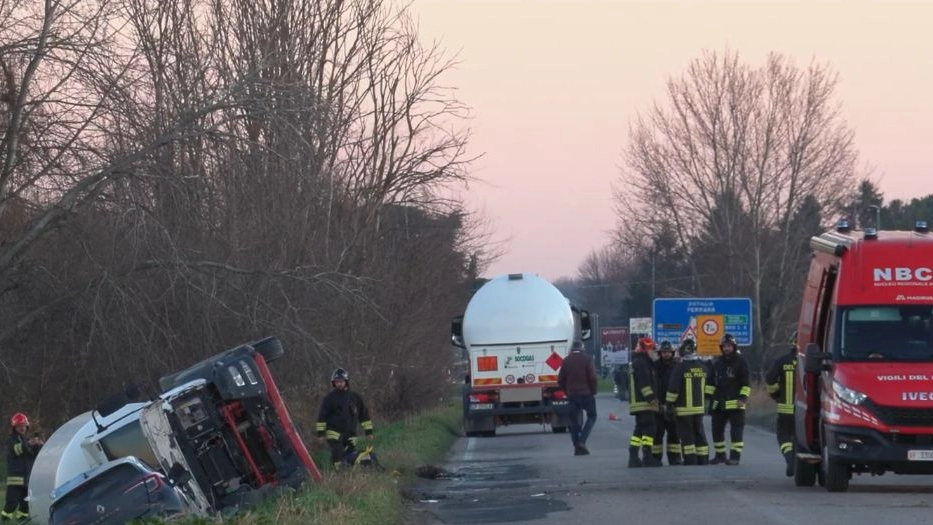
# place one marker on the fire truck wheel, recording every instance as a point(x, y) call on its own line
point(269, 348)
point(836, 473)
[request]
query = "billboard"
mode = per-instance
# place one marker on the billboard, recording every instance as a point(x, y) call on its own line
point(640, 325)
point(613, 344)
point(705, 320)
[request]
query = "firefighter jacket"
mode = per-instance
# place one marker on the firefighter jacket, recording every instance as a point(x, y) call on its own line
point(643, 384)
point(780, 380)
point(729, 382)
point(687, 386)
point(342, 413)
point(663, 369)
point(19, 458)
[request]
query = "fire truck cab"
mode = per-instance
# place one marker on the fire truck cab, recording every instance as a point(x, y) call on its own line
point(864, 381)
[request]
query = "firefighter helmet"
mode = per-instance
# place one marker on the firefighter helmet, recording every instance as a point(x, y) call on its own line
point(19, 419)
point(666, 346)
point(339, 373)
point(688, 346)
point(645, 344)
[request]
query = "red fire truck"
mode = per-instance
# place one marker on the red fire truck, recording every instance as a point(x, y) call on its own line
point(864, 391)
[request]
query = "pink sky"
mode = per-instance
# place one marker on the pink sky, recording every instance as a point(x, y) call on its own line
point(553, 85)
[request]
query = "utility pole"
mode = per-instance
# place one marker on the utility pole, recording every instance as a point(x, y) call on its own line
point(654, 254)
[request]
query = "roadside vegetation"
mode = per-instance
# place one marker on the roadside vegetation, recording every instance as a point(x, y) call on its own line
point(368, 497)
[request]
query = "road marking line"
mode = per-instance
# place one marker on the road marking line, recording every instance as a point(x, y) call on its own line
point(468, 455)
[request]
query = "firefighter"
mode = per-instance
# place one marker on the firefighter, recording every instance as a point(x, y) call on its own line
point(685, 398)
point(342, 413)
point(729, 388)
point(644, 405)
point(21, 452)
point(666, 424)
point(780, 380)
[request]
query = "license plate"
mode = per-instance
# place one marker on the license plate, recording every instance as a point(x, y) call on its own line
point(558, 403)
point(481, 406)
point(920, 455)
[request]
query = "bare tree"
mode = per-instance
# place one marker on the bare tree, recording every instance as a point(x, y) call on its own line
point(725, 163)
point(178, 177)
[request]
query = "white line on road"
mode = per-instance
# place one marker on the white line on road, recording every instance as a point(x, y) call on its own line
point(468, 454)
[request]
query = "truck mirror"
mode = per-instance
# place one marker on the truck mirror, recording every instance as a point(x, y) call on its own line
point(586, 326)
point(456, 331)
point(813, 359)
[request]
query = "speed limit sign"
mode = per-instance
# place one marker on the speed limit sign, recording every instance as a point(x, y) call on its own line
point(710, 327)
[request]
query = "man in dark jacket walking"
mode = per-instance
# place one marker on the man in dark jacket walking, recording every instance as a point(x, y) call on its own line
point(577, 377)
point(342, 413)
point(730, 387)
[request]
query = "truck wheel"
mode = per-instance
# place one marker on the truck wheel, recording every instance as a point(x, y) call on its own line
point(469, 429)
point(804, 472)
point(836, 473)
point(558, 430)
point(269, 348)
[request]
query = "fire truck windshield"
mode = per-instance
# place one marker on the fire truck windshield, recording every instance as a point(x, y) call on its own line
point(884, 333)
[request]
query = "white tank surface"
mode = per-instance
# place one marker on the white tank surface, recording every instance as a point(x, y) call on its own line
point(63, 457)
point(517, 308)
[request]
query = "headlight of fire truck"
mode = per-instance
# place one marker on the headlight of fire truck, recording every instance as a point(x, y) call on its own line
point(853, 397)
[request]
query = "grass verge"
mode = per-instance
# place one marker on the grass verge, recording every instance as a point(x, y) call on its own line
point(363, 498)
point(606, 384)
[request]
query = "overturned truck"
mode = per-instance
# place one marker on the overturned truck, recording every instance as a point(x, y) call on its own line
point(217, 439)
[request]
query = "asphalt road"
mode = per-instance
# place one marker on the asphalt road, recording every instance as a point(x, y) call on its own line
point(526, 474)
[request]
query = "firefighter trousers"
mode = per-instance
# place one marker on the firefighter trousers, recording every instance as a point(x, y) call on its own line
point(645, 429)
point(339, 448)
point(692, 438)
point(16, 505)
point(785, 432)
point(668, 427)
point(736, 421)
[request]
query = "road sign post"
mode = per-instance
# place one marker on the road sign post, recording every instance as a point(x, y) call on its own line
point(704, 319)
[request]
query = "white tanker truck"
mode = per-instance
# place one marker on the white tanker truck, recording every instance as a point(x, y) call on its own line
point(516, 330)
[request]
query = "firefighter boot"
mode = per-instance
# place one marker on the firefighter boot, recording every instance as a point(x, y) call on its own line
point(674, 459)
point(634, 460)
point(690, 459)
point(649, 459)
point(702, 459)
point(718, 459)
point(734, 457)
point(789, 458)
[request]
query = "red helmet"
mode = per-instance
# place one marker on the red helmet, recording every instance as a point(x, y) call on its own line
point(645, 344)
point(19, 419)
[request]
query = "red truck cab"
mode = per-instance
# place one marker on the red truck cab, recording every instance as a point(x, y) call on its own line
point(864, 392)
